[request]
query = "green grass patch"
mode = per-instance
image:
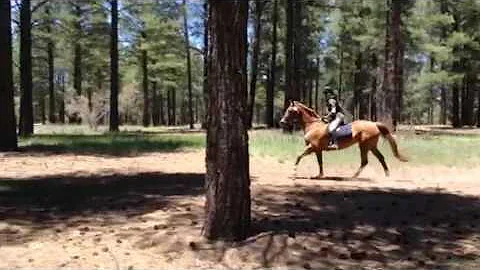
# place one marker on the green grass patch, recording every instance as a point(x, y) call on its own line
point(420, 149)
point(112, 144)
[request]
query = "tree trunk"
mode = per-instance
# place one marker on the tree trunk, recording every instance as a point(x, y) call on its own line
point(398, 49)
point(169, 107)
point(61, 112)
point(155, 105)
point(51, 69)
point(340, 73)
point(205, 62)
point(388, 89)
point(310, 84)
point(160, 107)
point(43, 108)
point(298, 55)
point(468, 99)
point(8, 136)
point(26, 99)
point(478, 107)
point(270, 99)
point(290, 93)
point(373, 91)
point(146, 97)
point(254, 65)
point(317, 80)
point(227, 179)
point(114, 68)
point(78, 53)
point(443, 94)
point(432, 96)
point(189, 65)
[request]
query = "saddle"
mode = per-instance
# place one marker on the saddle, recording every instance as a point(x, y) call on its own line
point(344, 131)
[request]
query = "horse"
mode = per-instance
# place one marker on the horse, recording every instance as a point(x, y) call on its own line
point(315, 128)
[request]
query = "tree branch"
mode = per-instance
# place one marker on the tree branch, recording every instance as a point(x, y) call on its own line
point(39, 5)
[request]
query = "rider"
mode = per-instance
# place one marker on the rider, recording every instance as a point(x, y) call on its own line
point(335, 116)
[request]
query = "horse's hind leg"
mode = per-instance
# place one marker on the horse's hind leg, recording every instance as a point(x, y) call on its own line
point(364, 160)
point(380, 158)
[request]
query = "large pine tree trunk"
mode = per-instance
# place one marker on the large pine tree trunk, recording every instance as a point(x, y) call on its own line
point(269, 112)
point(398, 49)
point(51, 69)
point(227, 178)
point(189, 65)
point(8, 136)
point(254, 65)
point(26, 100)
point(114, 68)
point(443, 94)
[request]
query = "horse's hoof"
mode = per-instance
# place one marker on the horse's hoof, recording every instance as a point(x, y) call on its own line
point(317, 177)
point(387, 174)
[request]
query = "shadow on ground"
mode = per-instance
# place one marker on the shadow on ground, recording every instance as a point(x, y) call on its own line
point(121, 144)
point(385, 227)
point(44, 203)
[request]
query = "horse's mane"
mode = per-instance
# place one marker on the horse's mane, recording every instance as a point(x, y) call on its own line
point(311, 112)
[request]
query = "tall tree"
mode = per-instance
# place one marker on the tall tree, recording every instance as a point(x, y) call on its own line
point(259, 4)
point(8, 136)
point(189, 64)
point(269, 112)
point(227, 177)
point(146, 96)
point(114, 120)
point(51, 67)
point(26, 99)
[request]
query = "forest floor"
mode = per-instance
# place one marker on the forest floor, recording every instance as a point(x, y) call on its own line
point(89, 210)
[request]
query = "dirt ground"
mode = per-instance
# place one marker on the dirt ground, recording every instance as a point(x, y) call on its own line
point(84, 212)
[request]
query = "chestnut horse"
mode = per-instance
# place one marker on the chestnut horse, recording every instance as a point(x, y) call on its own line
point(365, 133)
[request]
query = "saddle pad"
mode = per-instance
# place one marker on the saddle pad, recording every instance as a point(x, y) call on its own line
point(344, 131)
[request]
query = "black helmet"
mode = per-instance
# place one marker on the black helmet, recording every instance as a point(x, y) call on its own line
point(329, 93)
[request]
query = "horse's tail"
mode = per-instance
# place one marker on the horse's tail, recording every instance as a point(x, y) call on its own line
point(393, 144)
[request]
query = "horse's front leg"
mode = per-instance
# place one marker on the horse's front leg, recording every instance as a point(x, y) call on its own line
point(320, 165)
point(307, 151)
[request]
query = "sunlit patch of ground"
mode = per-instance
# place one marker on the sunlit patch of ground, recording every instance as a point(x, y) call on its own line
point(145, 211)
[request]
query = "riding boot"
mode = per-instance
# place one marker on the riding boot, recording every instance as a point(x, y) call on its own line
point(333, 142)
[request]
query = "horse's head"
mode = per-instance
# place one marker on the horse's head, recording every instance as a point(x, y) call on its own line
point(292, 113)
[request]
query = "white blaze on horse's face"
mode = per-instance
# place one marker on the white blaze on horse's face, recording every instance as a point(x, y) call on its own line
point(290, 114)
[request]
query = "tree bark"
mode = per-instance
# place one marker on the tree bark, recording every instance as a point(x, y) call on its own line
point(388, 89)
point(78, 53)
point(205, 63)
point(373, 91)
point(270, 99)
point(26, 99)
point(227, 179)
point(254, 65)
point(43, 109)
point(189, 65)
point(290, 89)
point(160, 106)
point(146, 97)
point(114, 121)
point(8, 136)
point(51, 69)
point(155, 105)
point(317, 80)
point(61, 112)
point(398, 49)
